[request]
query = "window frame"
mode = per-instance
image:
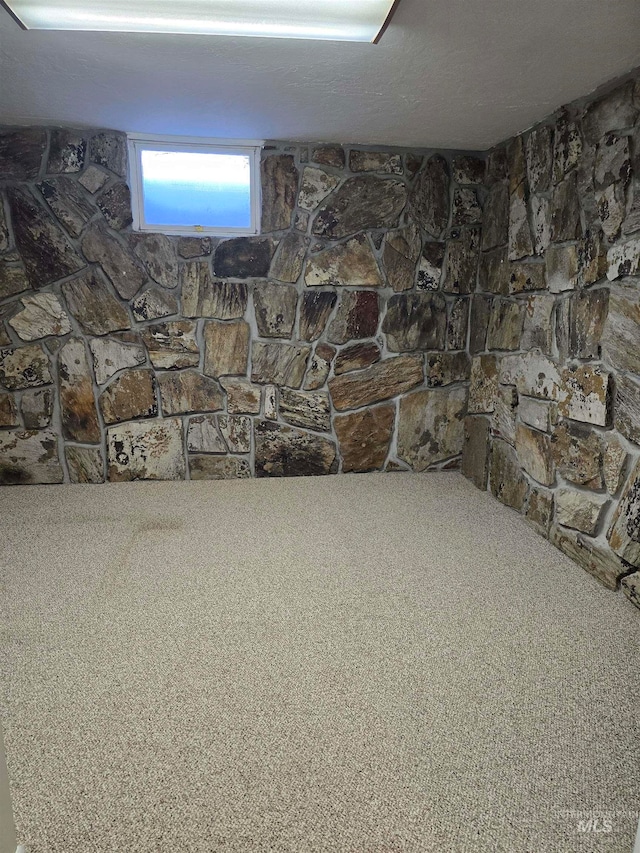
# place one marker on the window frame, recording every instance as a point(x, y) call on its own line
point(139, 142)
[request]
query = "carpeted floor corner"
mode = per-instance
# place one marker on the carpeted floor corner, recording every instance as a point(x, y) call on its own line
point(370, 664)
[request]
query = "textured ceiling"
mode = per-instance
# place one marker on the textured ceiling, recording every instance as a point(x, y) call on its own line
point(447, 73)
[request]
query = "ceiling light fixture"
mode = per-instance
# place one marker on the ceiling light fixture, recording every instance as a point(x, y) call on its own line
point(335, 20)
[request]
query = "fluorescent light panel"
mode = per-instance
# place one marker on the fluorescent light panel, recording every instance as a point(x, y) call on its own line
point(339, 20)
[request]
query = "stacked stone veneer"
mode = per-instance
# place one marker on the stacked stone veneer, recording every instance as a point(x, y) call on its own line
point(334, 341)
point(554, 407)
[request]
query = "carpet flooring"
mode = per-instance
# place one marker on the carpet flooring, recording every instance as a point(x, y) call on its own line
point(372, 664)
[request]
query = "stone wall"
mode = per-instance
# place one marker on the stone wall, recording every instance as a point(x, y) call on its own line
point(334, 341)
point(553, 428)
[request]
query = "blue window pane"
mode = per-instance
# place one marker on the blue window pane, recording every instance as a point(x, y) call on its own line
point(186, 189)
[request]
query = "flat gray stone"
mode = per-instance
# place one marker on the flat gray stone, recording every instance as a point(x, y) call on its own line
point(29, 457)
point(315, 186)
point(429, 199)
point(109, 149)
point(350, 264)
point(244, 257)
point(151, 450)
point(356, 317)
point(26, 367)
point(415, 321)
point(184, 391)
point(226, 348)
point(172, 345)
point(42, 315)
point(308, 409)
point(111, 355)
point(275, 309)
point(85, 464)
point(361, 203)
point(68, 202)
point(431, 426)
point(36, 406)
point(279, 363)
point(120, 266)
point(153, 303)
point(218, 467)
point(21, 153)
point(93, 305)
point(67, 150)
point(279, 190)
point(159, 257)
point(115, 204)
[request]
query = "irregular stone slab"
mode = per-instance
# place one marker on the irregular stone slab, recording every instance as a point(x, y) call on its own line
point(525, 277)
point(615, 110)
point(21, 153)
point(612, 207)
point(4, 228)
point(26, 367)
point(357, 357)
point(111, 355)
point(226, 348)
point(623, 259)
point(301, 221)
point(377, 383)
point(589, 324)
point(468, 170)
point(612, 161)
point(466, 207)
point(598, 561)
point(364, 438)
point(186, 391)
point(85, 464)
point(115, 204)
point(109, 149)
point(537, 329)
point(153, 304)
point(203, 435)
point(475, 451)
point(540, 223)
point(565, 210)
point(314, 313)
point(244, 257)
point(497, 166)
point(218, 468)
point(624, 534)
point(592, 258)
point(505, 325)
point(539, 511)
point(279, 178)
point(495, 219)
point(361, 203)
point(93, 179)
point(29, 457)
point(47, 253)
point(443, 368)
point(315, 186)
point(36, 407)
point(352, 263)
point(627, 408)
point(319, 367)
point(412, 164)
point(537, 413)
point(194, 247)
point(275, 309)
point(562, 264)
point(506, 480)
point(42, 315)
point(77, 401)
point(305, 409)
point(375, 161)
point(614, 464)
point(630, 585)
point(462, 262)
point(204, 297)
point(329, 155)
point(431, 426)
point(400, 253)
point(493, 271)
point(93, 306)
point(151, 450)
point(67, 150)
point(271, 402)
point(415, 321)
point(578, 510)
point(539, 157)
point(588, 394)
point(242, 396)
point(159, 257)
point(621, 333)
point(131, 395)
point(505, 409)
point(9, 412)
point(172, 345)
point(457, 323)
point(430, 266)
point(577, 453)
point(68, 202)
point(520, 238)
point(483, 385)
point(534, 454)
point(479, 322)
point(287, 452)
point(289, 259)
point(429, 198)
point(356, 317)
point(533, 374)
point(280, 364)
point(121, 268)
point(567, 148)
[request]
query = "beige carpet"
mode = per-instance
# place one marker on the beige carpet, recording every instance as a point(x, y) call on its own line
point(372, 663)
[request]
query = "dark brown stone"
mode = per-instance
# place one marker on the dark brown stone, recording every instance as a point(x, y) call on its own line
point(226, 348)
point(539, 511)
point(457, 323)
point(244, 257)
point(25, 367)
point(94, 307)
point(29, 457)
point(443, 368)
point(319, 367)
point(204, 297)
point(364, 438)
point(13, 279)
point(275, 309)
point(68, 202)
point(286, 452)
point(309, 409)
point(118, 263)
point(495, 220)
point(539, 157)
point(379, 382)
point(67, 151)
point(493, 272)
point(109, 149)
point(77, 401)
point(329, 155)
point(85, 464)
point(361, 203)
point(356, 357)
point(21, 153)
point(430, 426)
point(279, 190)
point(588, 312)
point(577, 453)
point(185, 391)
point(131, 395)
point(172, 345)
point(46, 252)
point(430, 266)
point(314, 313)
point(36, 407)
point(204, 467)
point(356, 317)
point(115, 204)
point(194, 247)
point(279, 364)
point(466, 207)
point(9, 412)
point(505, 325)
point(497, 166)
point(429, 198)
point(506, 480)
point(289, 259)
point(534, 454)
point(480, 313)
point(462, 262)
point(475, 450)
point(565, 210)
point(468, 169)
point(400, 256)
point(415, 321)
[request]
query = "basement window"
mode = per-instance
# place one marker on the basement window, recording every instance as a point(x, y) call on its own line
point(181, 185)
